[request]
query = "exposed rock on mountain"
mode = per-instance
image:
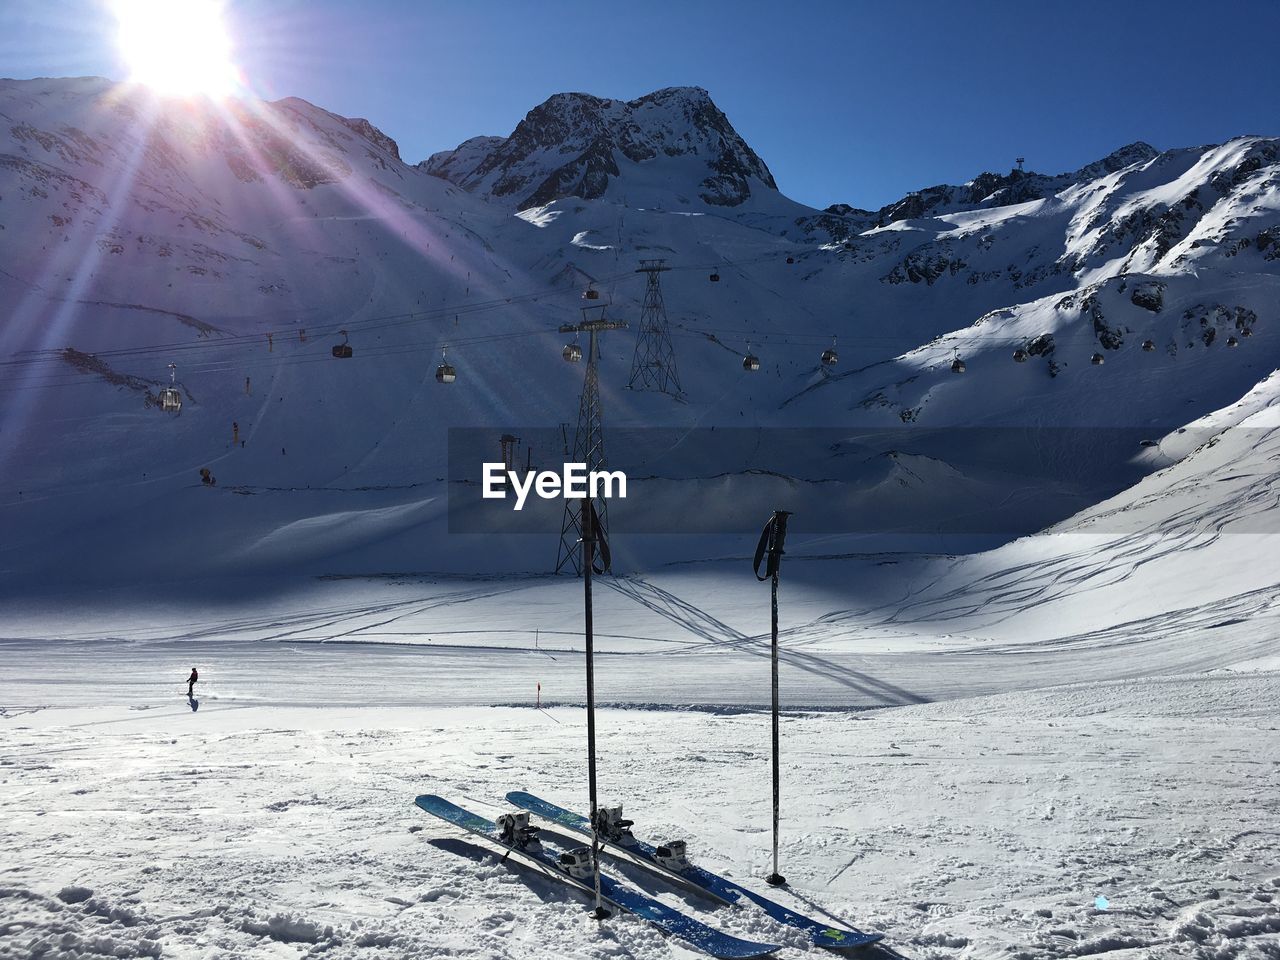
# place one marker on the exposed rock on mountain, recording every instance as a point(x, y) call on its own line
point(576, 145)
point(999, 190)
point(984, 191)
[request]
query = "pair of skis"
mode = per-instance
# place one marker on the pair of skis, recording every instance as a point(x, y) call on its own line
point(550, 862)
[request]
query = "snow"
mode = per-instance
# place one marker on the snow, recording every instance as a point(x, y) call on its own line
point(206, 261)
point(1068, 694)
point(961, 828)
point(539, 216)
point(580, 240)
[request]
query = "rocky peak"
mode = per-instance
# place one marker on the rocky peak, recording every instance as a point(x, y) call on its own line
point(375, 136)
point(1126, 156)
point(576, 145)
point(449, 164)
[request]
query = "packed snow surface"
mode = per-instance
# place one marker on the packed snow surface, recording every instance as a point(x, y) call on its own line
point(139, 827)
point(1030, 712)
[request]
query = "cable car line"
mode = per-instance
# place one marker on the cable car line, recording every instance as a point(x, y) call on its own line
point(61, 375)
point(367, 324)
point(26, 369)
point(384, 322)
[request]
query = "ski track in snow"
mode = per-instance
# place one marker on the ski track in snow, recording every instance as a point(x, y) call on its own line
point(977, 813)
point(976, 828)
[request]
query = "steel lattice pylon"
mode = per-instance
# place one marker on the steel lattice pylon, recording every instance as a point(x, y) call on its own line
point(653, 367)
point(588, 444)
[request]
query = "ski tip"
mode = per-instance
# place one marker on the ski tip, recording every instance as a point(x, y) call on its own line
point(427, 800)
point(515, 796)
point(845, 939)
point(744, 950)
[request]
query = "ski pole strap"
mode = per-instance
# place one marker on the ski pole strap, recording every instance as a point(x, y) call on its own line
point(763, 545)
point(771, 539)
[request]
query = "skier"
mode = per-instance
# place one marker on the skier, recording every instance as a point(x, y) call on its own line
point(191, 683)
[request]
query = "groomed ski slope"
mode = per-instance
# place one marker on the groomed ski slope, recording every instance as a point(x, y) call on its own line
point(975, 828)
point(1037, 749)
point(979, 815)
point(1174, 576)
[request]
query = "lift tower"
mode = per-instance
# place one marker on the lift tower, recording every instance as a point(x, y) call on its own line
point(588, 441)
point(654, 365)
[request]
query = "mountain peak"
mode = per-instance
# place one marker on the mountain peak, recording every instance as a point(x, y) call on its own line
point(1126, 156)
point(692, 94)
point(578, 145)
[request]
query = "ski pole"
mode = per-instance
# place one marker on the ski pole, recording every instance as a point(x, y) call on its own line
point(771, 541)
point(588, 559)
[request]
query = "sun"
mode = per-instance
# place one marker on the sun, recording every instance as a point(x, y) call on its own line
point(177, 47)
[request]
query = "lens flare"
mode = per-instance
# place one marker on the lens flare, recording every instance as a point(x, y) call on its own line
point(177, 47)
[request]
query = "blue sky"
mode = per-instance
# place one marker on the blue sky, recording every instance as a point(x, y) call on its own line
point(846, 101)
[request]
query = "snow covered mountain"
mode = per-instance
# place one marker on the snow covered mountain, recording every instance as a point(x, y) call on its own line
point(991, 190)
point(242, 243)
point(577, 145)
point(1083, 716)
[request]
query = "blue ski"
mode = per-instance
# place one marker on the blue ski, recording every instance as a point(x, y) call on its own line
point(716, 886)
point(545, 859)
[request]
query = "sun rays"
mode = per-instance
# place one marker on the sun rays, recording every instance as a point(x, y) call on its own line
point(179, 49)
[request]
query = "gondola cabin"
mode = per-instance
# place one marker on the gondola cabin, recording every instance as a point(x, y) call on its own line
point(572, 353)
point(170, 400)
point(751, 362)
point(445, 372)
point(1097, 359)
